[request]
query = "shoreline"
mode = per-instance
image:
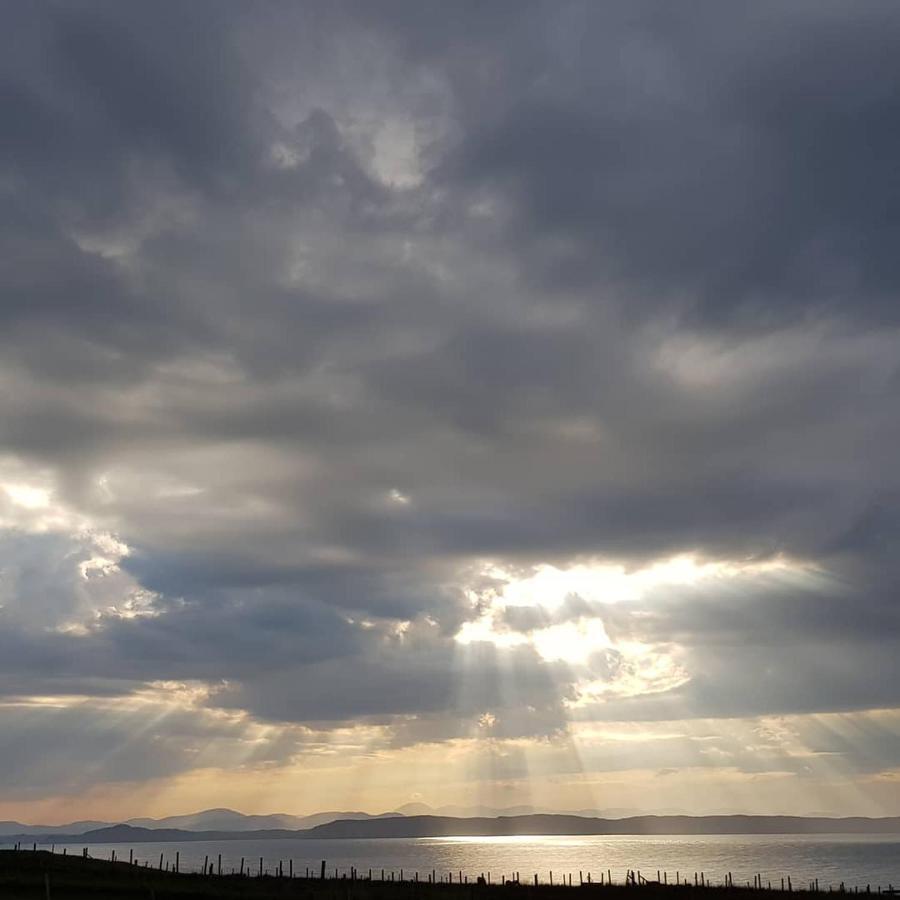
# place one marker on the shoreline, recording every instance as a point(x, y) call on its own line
point(39, 874)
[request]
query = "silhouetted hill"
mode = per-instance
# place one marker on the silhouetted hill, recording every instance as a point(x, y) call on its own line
point(481, 811)
point(442, 826)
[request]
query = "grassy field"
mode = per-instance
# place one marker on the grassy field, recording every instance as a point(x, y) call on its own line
point(28, 875)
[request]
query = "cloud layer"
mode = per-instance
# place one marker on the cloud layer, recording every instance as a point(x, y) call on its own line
point(323, 326)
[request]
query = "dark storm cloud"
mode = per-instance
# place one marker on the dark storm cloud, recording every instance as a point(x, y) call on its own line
point(739, 157)
point(93, 88)
point(634, 297)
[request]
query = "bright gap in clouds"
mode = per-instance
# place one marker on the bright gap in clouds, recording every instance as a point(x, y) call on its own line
point(560, 611)
point(599, 582)
point(27, 495)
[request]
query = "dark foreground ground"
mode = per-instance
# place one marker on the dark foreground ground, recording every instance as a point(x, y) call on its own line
point(28, 875)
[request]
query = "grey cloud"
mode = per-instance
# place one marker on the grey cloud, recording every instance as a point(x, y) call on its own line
point(751, 650)
point(99, 86)
point(285, 656)
point(531, 618)
point(49, 750)
point(422, 678)
point(775, 612)
point(732, 681)
point(720, 156)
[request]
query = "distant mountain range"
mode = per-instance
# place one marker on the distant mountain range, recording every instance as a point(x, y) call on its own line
point(206, 820)
point(7, 828)
point(231, 820)
point(398, 826)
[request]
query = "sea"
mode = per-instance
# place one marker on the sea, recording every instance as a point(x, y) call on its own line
point(857, 861)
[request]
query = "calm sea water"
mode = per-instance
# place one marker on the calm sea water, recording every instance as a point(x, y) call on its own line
point(857, 860)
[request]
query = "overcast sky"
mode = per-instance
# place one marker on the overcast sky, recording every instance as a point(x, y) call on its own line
point(470, 402)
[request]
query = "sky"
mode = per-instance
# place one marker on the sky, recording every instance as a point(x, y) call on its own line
point(476, 403)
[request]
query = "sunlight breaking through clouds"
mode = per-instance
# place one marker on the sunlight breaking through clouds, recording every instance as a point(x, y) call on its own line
point(561, 613)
